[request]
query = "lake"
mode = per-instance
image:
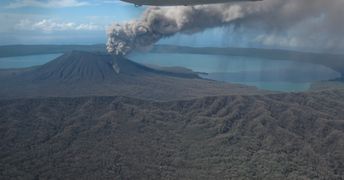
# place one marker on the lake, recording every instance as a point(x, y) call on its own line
point(26, 61)
point(276, 75)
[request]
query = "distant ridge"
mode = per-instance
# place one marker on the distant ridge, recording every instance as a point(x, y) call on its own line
point(24, 50)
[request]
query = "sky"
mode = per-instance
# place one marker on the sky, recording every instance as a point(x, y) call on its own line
point(86, 21)
point(60, 21)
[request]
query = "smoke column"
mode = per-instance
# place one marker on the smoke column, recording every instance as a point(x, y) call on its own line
point(305, 20)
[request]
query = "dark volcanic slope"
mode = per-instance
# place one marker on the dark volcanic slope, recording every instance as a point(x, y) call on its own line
point(287, 136)
point(80, 67)
point(84, 74)
point(74, 67)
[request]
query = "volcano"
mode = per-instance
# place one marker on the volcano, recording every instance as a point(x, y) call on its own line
point(79, 73)
point(78, 66)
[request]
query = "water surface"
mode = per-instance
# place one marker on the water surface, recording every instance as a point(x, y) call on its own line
point(26, 61)
point(276, 75)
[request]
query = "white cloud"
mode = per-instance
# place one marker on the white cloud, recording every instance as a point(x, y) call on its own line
point(118, 2)
point(46, 4)
point(48, 25)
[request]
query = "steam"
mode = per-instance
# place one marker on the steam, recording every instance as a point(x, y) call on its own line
point(161, 22)
point(303, 21)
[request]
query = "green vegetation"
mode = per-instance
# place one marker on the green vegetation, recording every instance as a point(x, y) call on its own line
point(282, 136)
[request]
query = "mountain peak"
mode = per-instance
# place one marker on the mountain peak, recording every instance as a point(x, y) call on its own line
point(85, 66)
point(79, 73)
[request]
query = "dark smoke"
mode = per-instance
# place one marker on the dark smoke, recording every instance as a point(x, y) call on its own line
point(286, 22)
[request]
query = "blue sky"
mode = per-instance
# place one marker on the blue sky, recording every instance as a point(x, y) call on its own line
point(85, 22)
point(60, 21)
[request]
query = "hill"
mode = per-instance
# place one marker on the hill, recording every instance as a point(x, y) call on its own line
point(280, 136)
point(80, 73)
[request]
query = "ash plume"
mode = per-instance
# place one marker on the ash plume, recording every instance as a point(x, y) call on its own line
point(297, 22)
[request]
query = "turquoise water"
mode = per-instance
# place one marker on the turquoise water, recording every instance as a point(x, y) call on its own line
point(276, 75)
point(26, 61)
point(207, 63)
